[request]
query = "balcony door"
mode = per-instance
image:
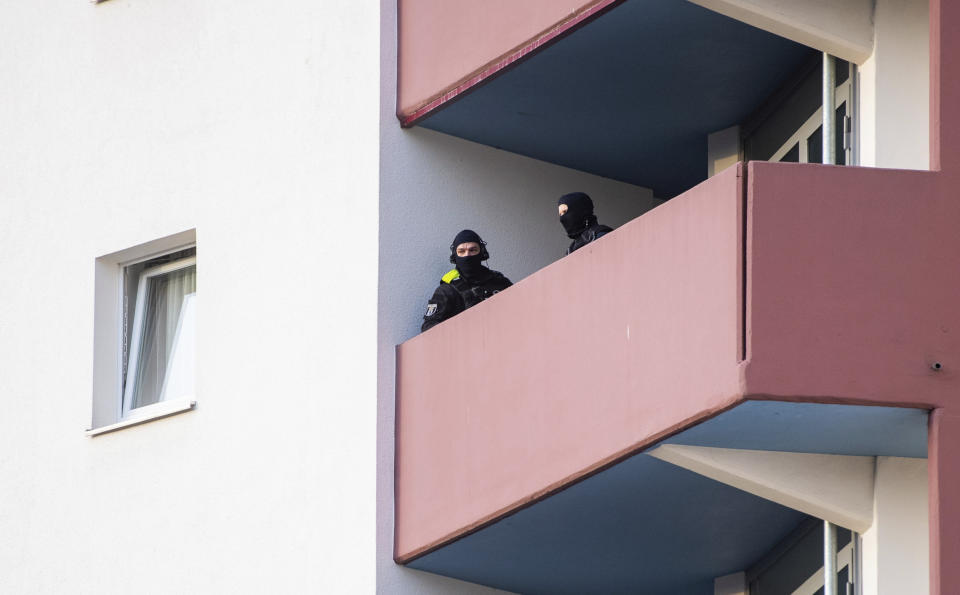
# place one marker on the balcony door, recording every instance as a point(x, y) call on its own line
point(788, 125)
point(806, 143)
point(795, 565)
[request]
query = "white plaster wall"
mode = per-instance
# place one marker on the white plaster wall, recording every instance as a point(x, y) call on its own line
point(731, 584)
point(835, 488)
point(866, 153)
point(256, 124)
point(896, 548)
point(895, 88)
point(723, 150)
point(840, 27)
point(432, 185)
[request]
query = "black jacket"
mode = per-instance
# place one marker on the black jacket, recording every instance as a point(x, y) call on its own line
point(594, 232)
point(455, 294)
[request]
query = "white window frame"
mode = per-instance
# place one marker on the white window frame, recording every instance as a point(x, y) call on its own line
point(108, 337)
point(149, 411)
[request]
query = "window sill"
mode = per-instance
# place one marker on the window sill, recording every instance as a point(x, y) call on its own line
point(158, 411)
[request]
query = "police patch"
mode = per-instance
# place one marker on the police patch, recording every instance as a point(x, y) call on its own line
point(431, 309)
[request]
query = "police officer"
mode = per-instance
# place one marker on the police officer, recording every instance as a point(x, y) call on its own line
point(469, 283)
point(577, 218)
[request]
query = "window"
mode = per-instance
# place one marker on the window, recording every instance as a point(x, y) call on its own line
point(787, 127)
point(161, 294)
point(144, 333)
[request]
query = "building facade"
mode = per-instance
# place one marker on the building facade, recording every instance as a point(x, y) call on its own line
point(759, 347)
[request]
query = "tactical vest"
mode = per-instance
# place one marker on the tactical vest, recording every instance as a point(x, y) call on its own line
point(471, 294)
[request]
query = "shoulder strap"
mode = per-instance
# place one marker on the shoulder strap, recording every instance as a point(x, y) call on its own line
point(452, 275)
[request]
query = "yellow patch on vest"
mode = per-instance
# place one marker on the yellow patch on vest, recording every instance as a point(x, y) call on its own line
point(451, 276)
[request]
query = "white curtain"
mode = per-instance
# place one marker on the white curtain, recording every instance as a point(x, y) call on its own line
point(162, 307)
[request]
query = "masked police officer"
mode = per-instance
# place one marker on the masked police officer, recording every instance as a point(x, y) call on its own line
point(469, 283)
point(577, 218)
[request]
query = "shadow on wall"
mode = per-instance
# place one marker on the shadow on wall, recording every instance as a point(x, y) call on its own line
point(510, 200)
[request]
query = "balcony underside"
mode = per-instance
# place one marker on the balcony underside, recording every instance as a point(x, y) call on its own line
point(647, 526)
point(631, 95)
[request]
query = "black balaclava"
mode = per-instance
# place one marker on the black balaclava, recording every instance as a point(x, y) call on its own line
point(469, 266)
point(579, 215)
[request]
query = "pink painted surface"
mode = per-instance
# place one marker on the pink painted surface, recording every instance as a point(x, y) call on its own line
point(853, 284)
point(853, 291)
point(575, 366)
point(448, 46)
point(944, 442)
point(945, 85)
point(944, 496)
point(885, 281)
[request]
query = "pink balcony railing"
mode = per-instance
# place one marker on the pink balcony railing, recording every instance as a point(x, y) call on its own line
point(575, 366)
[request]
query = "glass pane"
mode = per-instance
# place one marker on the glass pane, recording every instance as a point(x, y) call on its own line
point(793, 155)
point(842, 71)
point(815, 146)
point(163, 302)
point(815, 140)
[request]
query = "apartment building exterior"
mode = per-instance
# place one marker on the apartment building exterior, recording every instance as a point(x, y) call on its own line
point(221, 223)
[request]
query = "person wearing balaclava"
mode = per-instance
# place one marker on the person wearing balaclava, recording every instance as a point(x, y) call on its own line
point(468, 284)
point(577, 218)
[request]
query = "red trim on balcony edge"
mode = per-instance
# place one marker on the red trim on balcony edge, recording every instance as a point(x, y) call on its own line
point(509, 59)
point(567, 482)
